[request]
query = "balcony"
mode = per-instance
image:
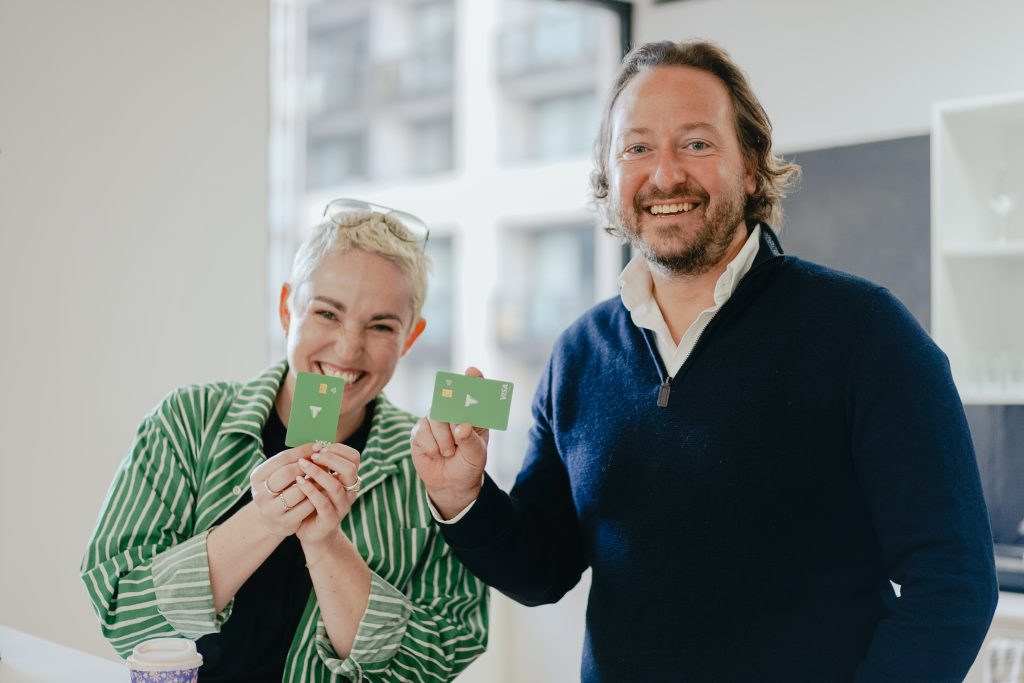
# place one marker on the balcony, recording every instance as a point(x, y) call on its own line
point(527, 324)
point(330, 94)
point(425, 73)
point(552, 44)
point(548, 283)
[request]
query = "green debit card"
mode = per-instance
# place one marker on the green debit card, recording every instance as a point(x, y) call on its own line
point(316, 405)
point(478, 401)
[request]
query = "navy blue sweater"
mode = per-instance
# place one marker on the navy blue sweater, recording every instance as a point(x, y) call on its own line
point(813, 448)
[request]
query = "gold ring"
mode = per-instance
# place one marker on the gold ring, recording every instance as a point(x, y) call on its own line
point(280, 497)
point(356, 486)
point(270, 490)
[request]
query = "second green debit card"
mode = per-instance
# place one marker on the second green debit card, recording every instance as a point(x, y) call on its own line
point(478, 401)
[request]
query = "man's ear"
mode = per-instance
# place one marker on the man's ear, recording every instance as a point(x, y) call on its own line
point(751, 177)
point(417, 330)
point(282, 308)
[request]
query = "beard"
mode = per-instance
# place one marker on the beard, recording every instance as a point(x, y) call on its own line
point(686, 251)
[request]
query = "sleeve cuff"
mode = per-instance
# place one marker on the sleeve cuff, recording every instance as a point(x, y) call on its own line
point(184, 595)
point(441, 520)
point(483, 521)
point(379, 635)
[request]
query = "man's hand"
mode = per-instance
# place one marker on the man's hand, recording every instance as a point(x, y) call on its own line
point(450, 460)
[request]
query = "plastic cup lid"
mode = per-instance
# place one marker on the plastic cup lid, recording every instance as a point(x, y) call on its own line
point(165, 654)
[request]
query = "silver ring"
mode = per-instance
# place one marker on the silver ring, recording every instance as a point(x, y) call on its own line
point(356, 486)
point(284, 502)
point(270, 490)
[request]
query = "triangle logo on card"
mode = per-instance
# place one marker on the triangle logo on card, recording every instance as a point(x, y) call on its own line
point(315, 410)
point(470, 401)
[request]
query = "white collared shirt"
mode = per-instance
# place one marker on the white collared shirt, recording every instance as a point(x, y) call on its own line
point(636, 288)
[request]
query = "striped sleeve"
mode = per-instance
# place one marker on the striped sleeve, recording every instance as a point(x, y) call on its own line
point(184, 595)
point(431, 634)
point(141, 582)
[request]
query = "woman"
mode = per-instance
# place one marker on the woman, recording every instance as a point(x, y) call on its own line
point(315, 563)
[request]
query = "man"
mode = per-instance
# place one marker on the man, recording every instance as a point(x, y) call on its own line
point(744, 447)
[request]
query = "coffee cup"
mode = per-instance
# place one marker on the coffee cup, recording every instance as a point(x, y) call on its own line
point(167, 660)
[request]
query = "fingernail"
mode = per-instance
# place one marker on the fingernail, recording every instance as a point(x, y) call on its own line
point(299, 480)
point(304, 464)
point(316, 456)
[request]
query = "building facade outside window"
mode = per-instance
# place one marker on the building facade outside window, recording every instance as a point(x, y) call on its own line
point(479, 116)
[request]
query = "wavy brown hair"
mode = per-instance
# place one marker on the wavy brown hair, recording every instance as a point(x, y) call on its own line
point(773, 175)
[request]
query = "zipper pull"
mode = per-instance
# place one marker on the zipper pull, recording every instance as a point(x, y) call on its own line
point(664, 391)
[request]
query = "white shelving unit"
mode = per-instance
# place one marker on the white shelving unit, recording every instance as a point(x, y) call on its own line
point(977, 245)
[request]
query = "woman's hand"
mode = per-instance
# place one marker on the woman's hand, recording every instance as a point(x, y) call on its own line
point(280, 504)
point(329, 480)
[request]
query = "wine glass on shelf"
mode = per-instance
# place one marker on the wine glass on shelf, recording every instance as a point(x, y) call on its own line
point(1000, 199)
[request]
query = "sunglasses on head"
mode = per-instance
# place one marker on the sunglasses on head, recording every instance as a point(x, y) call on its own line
point(413, 227)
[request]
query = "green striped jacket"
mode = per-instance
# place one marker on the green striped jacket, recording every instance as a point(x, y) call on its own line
point(146, 567)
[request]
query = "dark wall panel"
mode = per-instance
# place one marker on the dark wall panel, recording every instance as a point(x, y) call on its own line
point(865, 209)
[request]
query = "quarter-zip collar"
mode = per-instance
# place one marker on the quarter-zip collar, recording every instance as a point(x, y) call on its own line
point(769, 249)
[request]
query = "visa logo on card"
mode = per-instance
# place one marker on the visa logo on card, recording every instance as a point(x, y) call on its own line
point(480, 402)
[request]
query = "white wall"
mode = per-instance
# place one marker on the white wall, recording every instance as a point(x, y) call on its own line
point(834, 73)
point(132, 256)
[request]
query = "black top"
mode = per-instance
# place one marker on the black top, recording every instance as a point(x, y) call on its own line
point(252, 645)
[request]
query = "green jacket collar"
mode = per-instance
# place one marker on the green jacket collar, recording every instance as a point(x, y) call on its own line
point(255, 399)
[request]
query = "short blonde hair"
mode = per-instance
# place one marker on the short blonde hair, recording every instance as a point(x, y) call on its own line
point(373, 233)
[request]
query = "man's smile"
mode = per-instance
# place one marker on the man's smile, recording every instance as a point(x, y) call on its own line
point(671, 209)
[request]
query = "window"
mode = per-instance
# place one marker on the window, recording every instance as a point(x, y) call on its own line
point(560, 35)
point(556, 35)
point(549, 282)
point(426, 66)
point(372, 98)
point(433, 350)
point(439, 307)
point(561, 284)
point(564, 125)
point(432, 146)
point(336, 76)
point(435, 24)
point(331, 161)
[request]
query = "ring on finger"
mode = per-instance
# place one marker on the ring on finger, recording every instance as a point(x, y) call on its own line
point(284, 501)
point(356, 486)
point(266, 485)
